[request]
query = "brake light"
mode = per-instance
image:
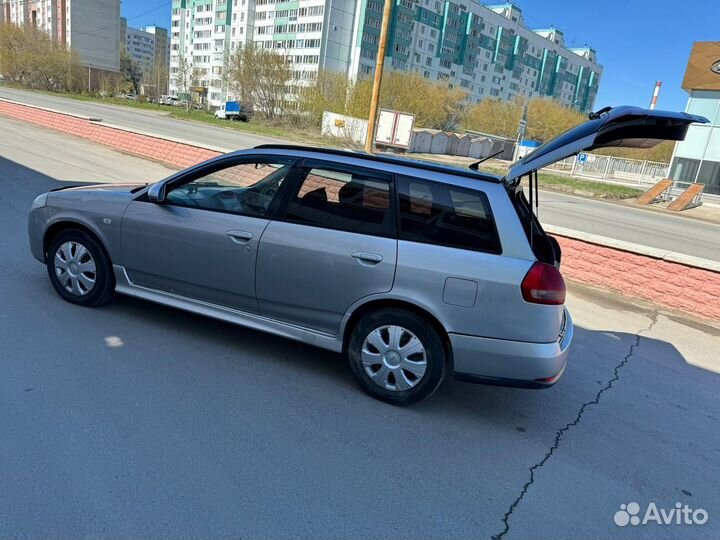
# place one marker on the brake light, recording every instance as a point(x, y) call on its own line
point(543, 284)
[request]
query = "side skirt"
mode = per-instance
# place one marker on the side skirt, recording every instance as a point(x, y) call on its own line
point(249, 320)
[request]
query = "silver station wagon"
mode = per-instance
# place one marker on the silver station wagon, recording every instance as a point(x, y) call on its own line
point(412, 270)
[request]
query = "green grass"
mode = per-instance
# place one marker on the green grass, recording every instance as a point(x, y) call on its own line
point(256, 126)
point(577, 186)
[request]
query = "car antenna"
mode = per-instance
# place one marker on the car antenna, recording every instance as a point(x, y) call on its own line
point(474, 166)
point(597, 114)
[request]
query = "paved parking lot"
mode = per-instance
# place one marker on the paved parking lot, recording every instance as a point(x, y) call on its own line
point(135, 420)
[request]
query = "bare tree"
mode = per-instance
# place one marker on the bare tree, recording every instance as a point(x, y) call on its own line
point(261, 77)
point(130, 70)
point(185, 78)
point(156, 78)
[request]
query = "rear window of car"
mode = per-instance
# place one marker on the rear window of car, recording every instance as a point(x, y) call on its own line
point(344, 198)
point(450, 216)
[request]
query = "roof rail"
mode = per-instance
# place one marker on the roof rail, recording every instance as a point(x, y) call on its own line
point(391, 160)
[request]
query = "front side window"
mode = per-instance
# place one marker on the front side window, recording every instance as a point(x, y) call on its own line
point(246, 188)
point(346, 199)
point(450, 216)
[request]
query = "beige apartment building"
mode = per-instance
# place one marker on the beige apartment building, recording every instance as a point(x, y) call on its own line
point(90, 27)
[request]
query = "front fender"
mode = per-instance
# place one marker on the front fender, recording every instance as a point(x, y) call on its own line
point(107, 233)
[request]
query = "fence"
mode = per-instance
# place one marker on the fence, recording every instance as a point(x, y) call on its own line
point(635, 171)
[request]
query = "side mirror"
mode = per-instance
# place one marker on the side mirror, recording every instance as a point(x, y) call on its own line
point(156, 193)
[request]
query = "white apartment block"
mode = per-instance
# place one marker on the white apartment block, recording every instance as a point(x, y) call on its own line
point(484, 49)
point(90, 27)
point(205, 31)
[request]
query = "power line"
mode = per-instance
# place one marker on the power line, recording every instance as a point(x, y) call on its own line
point(116, 24)
point(95, 33)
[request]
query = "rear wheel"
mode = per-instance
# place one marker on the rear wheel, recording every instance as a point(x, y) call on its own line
point(397, 356)
point(79, 269)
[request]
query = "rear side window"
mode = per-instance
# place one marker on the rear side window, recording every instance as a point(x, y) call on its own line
point(347, 199)
point(446, 215)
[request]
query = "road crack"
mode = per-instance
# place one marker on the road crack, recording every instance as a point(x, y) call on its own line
point(560, 433)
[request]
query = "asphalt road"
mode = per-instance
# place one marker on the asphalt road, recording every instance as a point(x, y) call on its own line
point(138, 421)
point(147, 121)
point(664, 231)
point(645, 227)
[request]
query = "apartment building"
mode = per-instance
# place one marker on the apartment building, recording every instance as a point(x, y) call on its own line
point(150, 50)
point(485, 49)
point(162, 42)
point(90, 27)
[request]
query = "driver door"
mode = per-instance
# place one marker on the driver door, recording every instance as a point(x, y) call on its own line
point(201, 241)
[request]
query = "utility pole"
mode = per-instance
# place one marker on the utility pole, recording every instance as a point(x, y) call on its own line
point(387, 11)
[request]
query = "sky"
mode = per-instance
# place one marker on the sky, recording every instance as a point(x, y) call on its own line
point(638, 42)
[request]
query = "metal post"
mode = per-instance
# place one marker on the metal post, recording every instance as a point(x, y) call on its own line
point(370, 137)
point(89, 78)
point(607, 167)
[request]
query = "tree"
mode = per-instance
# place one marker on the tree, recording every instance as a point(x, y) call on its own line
point(261, 77)
point(155, 79)
point(30, 57)
point(434, 104)
point(494, 117)
point(329, 92)
point(185, 77)
point(130, 70)
point(546, 118)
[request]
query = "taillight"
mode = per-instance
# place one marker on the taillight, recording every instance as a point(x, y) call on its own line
point(543, 284)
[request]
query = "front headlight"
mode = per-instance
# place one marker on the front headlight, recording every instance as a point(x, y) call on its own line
point(39, 202)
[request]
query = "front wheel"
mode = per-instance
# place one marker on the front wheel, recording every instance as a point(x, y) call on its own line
point(397, 356)
point(79, 269)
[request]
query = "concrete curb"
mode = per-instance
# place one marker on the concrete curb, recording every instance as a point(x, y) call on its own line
point(164, 137)
point(621, 245)
point(100, 121)
point(46, 109)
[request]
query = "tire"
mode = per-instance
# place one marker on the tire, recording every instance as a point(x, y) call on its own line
point(376, 352)
point(71, 251)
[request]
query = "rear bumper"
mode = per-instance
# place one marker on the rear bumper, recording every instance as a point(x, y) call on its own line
point(511, 363)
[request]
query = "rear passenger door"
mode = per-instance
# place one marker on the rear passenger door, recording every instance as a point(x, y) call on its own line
point(332, 243)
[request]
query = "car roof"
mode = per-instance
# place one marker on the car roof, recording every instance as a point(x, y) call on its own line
point(389, 160)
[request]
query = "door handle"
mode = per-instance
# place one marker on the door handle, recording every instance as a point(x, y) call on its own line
point(240, 237)
point(372, 258)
